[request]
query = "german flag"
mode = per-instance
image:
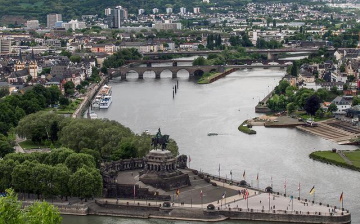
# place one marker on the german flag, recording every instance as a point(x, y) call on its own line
point(177, 192)
point(312, 191)
point(342, 196)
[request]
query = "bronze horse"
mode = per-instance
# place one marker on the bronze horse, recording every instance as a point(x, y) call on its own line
point(163, 141)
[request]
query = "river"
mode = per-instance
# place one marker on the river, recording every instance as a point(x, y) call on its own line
point(277, 155)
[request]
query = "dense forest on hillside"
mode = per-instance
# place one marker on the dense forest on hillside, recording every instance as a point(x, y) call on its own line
point(38, 9)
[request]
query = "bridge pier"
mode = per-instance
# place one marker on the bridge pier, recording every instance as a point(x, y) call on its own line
point(141, 76)
point(157, 75)
point(174, 75)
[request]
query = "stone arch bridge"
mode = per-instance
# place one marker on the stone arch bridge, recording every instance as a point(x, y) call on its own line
point(193, 70)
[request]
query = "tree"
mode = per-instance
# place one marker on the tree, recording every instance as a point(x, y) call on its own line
point(42, 212)
point(63, 101)
point(199, 61)
point(39, 212)
point(10, 209)
point(332, 107)
point(77, 160)
point(69, 88)
point(75, 58)
point(85, 183)
point(312, 104)
point(5, 147)
point(294, 69)
point(291, 107)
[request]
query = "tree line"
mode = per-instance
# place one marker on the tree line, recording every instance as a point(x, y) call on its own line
point(60, 173)
point(110, 139)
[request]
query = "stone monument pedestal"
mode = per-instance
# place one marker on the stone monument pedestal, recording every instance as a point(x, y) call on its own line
point(160, 171)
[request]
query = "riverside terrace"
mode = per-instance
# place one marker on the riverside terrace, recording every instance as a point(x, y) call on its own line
point(189, 205)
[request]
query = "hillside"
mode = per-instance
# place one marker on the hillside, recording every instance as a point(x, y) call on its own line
point(17, 11)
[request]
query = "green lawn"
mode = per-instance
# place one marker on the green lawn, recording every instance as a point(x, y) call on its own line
point(329, 155)
point(28, 144)
point(335, 159)
point(354, 157)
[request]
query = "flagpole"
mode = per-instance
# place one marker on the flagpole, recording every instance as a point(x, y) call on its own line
point(299, 190)
point(219, 171)
point(269, 201)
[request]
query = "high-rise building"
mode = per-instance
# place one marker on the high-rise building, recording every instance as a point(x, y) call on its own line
point(5, 46)
point(196, 10)
point(155, 10)
point(107, 11)
point(52, 19)
point(182, 10)
point(169, 10)
point(117, 16)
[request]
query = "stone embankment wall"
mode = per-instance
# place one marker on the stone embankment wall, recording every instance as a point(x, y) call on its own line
point(261, 107)
point(222, 75)
point(284, 217)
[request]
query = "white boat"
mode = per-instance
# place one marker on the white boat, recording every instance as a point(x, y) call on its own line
point(105, 102)
point(92, 115)
point(96, 101)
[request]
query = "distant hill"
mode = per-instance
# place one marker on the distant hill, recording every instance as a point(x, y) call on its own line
point(73, 9)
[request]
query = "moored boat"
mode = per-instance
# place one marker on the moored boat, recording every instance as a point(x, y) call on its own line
point(105, 102)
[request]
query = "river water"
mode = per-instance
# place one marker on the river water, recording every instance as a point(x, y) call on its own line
point(276, 154)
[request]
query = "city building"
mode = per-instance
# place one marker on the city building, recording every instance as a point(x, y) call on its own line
point(155, 10)
point(169, 10)
point(5, 46)
point(167, 26)
point(32, 24)
point(117, 17)
point(196, 10)
point(182, 10)
point(74, 25)
point(107, 11)
point(141, 11)
point(52, 19)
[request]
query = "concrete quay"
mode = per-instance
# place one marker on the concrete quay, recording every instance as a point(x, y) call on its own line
point(333, 130)
point(192, 203)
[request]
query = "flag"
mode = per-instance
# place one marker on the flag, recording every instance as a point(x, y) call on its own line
point(231, 172)
point(224, 194)
point(244, 174)
point(299, 187)
point(177, 192)
point(201, 194)
point(342, 196)
point(257, 176)
point(189, 159)
point(246, 194)
point(219, 167)
point(312, 191)
point(285, 184)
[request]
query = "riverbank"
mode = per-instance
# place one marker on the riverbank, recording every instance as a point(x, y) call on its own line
point(345, 159)
point(211, 206)
point(86, 101)
point(215, 76)
point(334, 130)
